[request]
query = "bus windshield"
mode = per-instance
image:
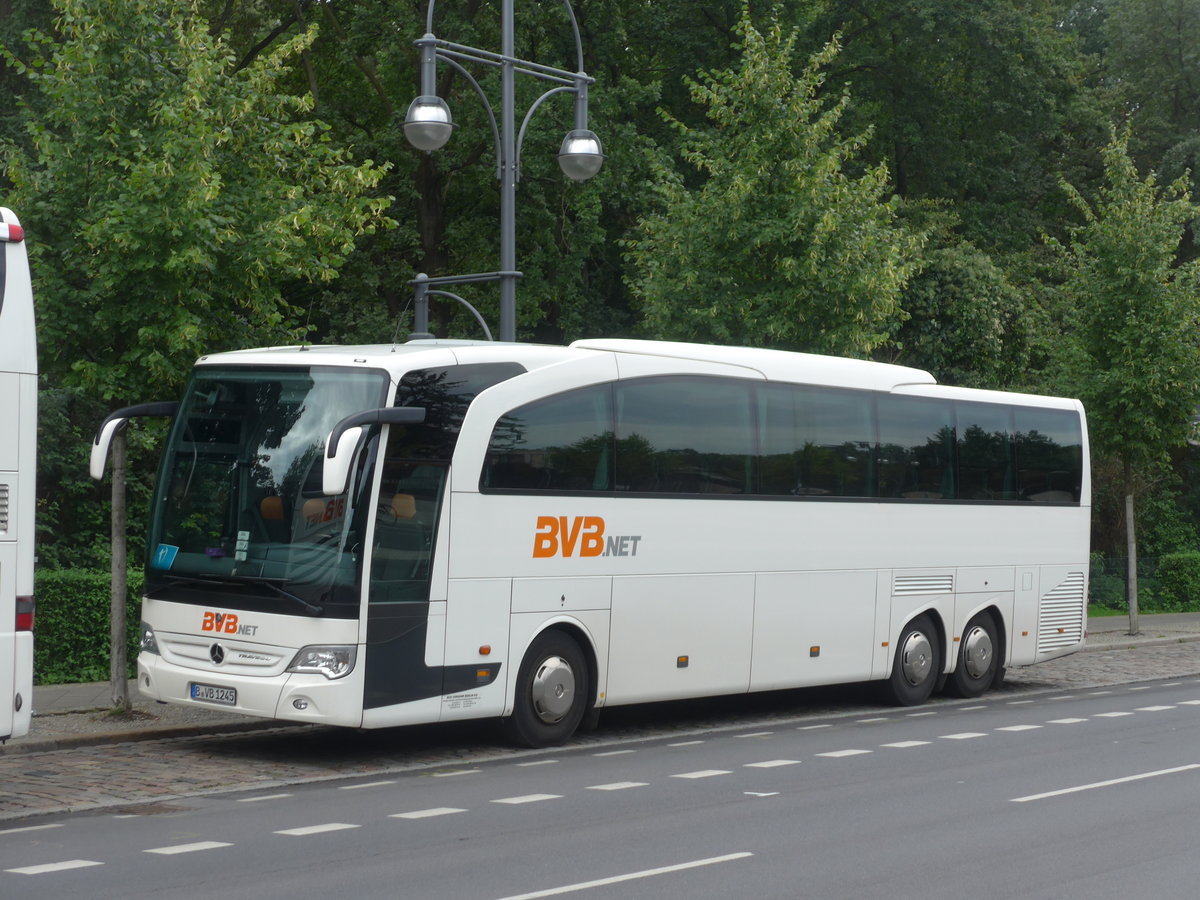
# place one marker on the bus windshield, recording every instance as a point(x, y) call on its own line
point(239, 503)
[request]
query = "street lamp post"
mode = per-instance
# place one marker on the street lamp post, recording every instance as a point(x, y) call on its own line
point(428, 125)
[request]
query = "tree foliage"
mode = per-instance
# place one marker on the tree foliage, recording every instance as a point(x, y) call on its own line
point(171, 199)
point(1136, 362)
point(781, 243)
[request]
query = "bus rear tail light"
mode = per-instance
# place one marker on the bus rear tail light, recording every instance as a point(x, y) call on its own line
point(24, 614)
point(11, 234)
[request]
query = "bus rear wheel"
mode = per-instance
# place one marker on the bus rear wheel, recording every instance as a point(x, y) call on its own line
point(977, 660)
point(917, 665)
point(552, 692)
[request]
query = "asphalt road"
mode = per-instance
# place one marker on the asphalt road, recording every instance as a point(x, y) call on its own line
point(1086, 793)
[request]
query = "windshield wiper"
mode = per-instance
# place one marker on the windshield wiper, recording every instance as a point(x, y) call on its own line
point(211, 581)
point(312, 609)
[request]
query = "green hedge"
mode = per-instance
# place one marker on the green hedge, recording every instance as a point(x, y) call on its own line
point(1179, 581)
point(72, 627)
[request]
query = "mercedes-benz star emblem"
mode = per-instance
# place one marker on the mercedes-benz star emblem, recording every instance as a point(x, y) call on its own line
point(216, 653)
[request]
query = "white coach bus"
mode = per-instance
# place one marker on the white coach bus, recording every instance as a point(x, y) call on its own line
point(18, 449)
point(379, 536)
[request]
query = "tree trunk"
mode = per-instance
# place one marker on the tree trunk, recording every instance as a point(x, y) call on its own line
point(118, 679)
point(1131, 574)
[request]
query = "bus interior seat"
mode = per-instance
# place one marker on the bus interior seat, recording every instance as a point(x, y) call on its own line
point(400, 543)
point(270, 511)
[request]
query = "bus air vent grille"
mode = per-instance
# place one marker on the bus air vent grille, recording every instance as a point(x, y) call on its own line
point(912, 585)
point(1061, 613)
point(3, 508)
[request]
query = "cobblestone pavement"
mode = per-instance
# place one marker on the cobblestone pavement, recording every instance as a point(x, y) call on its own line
point(148, 774)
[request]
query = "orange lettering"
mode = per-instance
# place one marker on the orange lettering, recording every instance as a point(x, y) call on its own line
point(593, 536)
point(569, 536)
point(545, 542)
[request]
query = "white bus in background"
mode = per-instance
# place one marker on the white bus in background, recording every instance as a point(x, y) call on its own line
point(18, 451)
point(391, 535)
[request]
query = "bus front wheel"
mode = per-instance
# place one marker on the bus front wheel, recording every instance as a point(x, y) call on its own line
point(917, 664)
point(552, 692)
point(977, 660)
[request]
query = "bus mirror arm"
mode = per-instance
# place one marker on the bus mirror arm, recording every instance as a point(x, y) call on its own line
point(339, 453)
point(117, 420)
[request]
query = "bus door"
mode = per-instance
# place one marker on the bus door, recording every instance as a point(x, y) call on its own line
point(402, 663)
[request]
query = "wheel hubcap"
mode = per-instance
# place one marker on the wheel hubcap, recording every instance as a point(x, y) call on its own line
point(916, 658)
point(553, 689)
point(977, 652)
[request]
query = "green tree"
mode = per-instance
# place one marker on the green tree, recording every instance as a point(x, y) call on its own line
point(964, 322)
point(171, 198)
point(1136, 360)
point(781, 243)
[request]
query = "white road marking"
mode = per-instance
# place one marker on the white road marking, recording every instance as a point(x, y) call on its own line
point(838, 754)
point(685, 744)
point(616, 786)
point(972, 708)
point(1189, 702)
point(54, 867)
point(262, 797)
point(614, 753)
point(359, 787)
point(1099, 693)
point(1063, 697)
point(1019, 728)
point(538, 762)
point(1018, 702)
point(317, 829)
point(872, 721)
point(1102, 784)
point(1142, 687)
point(631, 876)
point(427, 813)
point(528, 798)
point(1153, 708)
point(755, 734)
point(904, 745)
point(454, 773)
point(702, 773)
point(762, 793)
point(188, 848)
point(29, 828)
point(918, 715)
point(961, 736)
point(1065, 721)
point(772, 763)
point(1112, 715)
point(813, 727)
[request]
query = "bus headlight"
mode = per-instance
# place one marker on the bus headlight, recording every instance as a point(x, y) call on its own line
point(148, 643)
point(332, 662)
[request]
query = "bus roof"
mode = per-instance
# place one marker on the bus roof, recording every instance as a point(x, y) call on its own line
point(771, 365)
point(776, 365)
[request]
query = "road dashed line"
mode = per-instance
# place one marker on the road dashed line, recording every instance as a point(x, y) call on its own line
point(200, 846)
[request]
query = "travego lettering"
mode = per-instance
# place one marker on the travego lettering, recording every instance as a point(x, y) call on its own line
point(580, 536)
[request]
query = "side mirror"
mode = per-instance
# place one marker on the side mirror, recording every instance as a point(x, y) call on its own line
point(343, 442)
point(114, 423)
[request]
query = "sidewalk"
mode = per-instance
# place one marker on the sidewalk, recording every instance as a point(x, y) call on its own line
point(72, 715)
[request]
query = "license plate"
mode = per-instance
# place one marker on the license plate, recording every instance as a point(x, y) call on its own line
point(210, 693)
